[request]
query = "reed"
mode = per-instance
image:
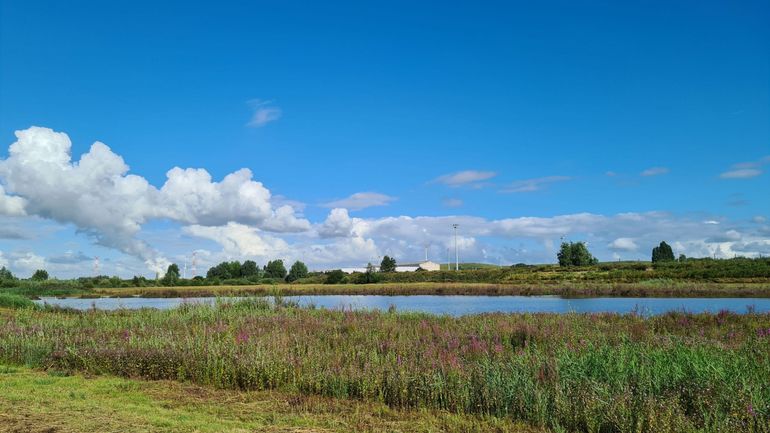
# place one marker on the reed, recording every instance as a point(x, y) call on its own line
point(574, 372)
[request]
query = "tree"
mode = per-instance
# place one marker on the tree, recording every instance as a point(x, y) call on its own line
point(298, 270)
point(662, 253)
point(5, 274)
point(336, 276)
point(682, 258)
point(172, 275)
point(388, 264)
point(370, 276)
point(225, 270)
point(40, 275)
point(575, 254)
point(275, 269)
point(249, 269)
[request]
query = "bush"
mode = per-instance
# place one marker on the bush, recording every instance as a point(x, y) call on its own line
point(336, 276)
point(9, 300)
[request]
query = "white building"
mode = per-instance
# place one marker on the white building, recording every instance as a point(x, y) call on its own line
point(425, 266)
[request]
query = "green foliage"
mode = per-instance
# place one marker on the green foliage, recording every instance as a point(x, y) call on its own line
point(336, 276)
point(575, 254)
point(225, 271)
point(172, 275)
point(9, 300)
point(676, 372)
point(298, 270)
point(249, 269)
point(368, 277)
point(662, 253)
point(6, 275)
point(388, 264)
point(275, 269)
point(40, 275)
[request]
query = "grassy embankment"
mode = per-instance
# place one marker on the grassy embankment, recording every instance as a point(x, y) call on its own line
point(652, 288)
point(592, 373)
point(693, 278)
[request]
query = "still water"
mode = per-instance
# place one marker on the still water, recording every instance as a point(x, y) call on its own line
point(459, 305)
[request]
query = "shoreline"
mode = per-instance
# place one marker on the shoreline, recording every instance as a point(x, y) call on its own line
point(653, 289)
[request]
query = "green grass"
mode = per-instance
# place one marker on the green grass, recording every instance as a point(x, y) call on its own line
point(9, 300)
point(32, 401)
point(589, 373)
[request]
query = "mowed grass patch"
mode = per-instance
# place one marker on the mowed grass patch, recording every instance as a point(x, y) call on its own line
point(33, 401)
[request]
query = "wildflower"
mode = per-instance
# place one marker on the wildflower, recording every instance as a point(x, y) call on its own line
point(242, 337)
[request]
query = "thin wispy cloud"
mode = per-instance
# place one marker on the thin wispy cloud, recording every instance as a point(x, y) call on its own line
point(746, 170)
point(655, 171)
point(465, 178)
point(264, 113)
point(452, 202)
point(361, 200)
point(536, 184)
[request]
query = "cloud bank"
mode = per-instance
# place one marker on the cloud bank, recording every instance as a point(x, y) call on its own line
point(98, 196)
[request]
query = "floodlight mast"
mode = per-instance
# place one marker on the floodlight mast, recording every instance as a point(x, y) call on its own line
point(457, 254)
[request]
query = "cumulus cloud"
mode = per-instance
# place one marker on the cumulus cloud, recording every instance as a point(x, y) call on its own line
point(100, 197)
point(536, 184)
point(241, 240)
point(361, 200)
point(264, 113)
point(10, 205)
point(27, 263)
point(623, 244)
point(467, 177)
point(655, 171)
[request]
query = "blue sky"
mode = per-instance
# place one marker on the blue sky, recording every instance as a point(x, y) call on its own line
point(551, 110)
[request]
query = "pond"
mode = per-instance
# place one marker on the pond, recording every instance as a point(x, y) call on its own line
point(458, 305)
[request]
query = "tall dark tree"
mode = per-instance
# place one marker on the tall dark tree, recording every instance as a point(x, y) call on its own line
point(388, 264)
point(249, 269)
point(40, 275)
point(662, 253)
point(298, 270)
point(172, 275)
point(5, 274)
point(275, 269)
point(575, 254)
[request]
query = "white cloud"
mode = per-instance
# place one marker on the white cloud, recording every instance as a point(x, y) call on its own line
point(452, 202)
point(655, 171)
point(741, 173)
point(746, 170)
point(10, 205)
point(101, 199)
point(241, 240)
point(623, 244)
point(362, 200)
point(264, 113)
point(536, 184)
point(466, 177)
point(27, 263)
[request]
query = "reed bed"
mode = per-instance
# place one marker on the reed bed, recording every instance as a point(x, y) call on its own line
point(576, 372)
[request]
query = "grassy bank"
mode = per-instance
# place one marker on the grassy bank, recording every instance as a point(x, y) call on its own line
point(32, 401)
point(652, 288)
point(595, 373)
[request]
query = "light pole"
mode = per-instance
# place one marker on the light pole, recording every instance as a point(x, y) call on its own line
point(457, 255)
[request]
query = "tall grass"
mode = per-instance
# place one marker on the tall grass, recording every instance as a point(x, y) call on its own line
point(590, 373)
point(10, 300)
